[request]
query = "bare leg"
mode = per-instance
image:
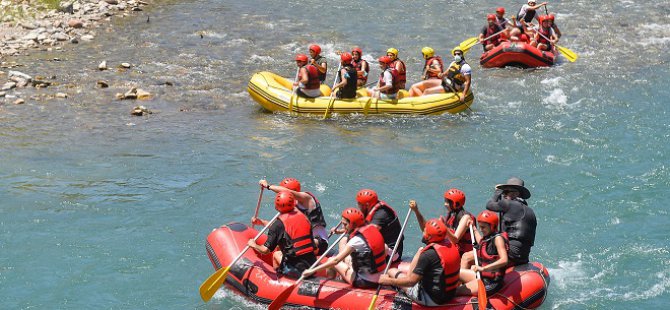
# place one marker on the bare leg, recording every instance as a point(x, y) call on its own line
point(276, 259)
point(466, 260)
point(345, 271)
point(469, 278)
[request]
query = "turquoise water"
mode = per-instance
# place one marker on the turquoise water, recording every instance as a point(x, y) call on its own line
point(103, 209)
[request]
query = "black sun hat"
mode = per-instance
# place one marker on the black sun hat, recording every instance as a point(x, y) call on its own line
point(515, 183)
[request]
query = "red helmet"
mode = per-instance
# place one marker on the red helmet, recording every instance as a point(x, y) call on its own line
point(385, 59)
point(367, 198)
point(490, 218)
point(357, 50)
point(500, 10)
point(542, 18)
point(346, 58)
point(301, 57)
point(291, 184)
point(316, 48)
point(491, 17)
point(284, 202)
point(435, 231)
point(457, 198)
point(354, 216)
point(551, 17)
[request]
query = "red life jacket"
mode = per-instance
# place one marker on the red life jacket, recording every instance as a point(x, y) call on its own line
point(451, 264)
point(488, 254)
point(313, 81)
point(298, 228)
point(433, 75)
point(491, 30)
point(396, 81)
point(373, 259)
point(547, 33)
point(402, 76)
point(451, 220)
point(358, 65)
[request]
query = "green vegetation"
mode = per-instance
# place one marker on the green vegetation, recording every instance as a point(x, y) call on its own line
point(50, 4)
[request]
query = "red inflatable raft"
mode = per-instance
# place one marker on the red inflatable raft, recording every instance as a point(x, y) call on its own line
point(253, 276)
point(517, 54)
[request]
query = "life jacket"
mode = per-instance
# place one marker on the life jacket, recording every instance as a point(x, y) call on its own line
point(373, 259)
point(362, 75)
point(402, 76)
point(392, 230)
point(299, 230)
point(501, 22)
point(547, 33)
point(521, 229)
point(451, 220)
point(322, 76)
point(491, 31)
point(455, 74)
point(488, 254)
point(349, 90)
point(396, 81)
point(528, 17)
point(312, 77)
point(315, 216)
point(433, 75)
point(450, 261)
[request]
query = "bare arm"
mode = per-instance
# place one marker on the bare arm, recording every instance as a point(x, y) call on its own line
point(502, 261)
point(330, 262)
point(419, 217)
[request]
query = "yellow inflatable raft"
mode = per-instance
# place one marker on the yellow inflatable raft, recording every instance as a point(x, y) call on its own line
point(274, 93)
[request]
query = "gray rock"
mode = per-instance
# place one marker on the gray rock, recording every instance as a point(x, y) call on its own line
point(140, 110)
point(8, 86)
point(102, 84)
point(41, 37)
point(136, 9)
point(66, 8)
point(59, 36)
point(28, 25)
point(112, 2)
point(87, 37)
point(125, 65)
point(74, 40)
point(102, 65)
point(19, 74)
point(61, 95)
point(19, 101)
point(31, 36)
point(2, 94)
point(75, 23)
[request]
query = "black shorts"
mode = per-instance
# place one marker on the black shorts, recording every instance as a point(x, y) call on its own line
point(493, 285)
point(292, 271)
point(362, 283)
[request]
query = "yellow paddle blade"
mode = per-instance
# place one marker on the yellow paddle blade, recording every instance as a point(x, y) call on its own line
point(481, 295)
point(373, 302)
point(466, 45)
point(212, 284)
point(568, 53)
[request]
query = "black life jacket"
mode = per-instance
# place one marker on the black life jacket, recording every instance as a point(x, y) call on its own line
point(315, 216)
point(322, 76)
point(454, 74)
point(349, 90)
point(373, 259)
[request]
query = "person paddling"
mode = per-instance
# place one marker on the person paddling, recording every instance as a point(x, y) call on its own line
point(490, 31)
point(292, 233)
point(433, 65)
point(545, 37)
point(492, 254)
point(434, 272)
point(308, 204)
point(364, 246)
point(389, 82)
point(348, 77)
point(552, 22)
point(379, 214)
point(524, 18)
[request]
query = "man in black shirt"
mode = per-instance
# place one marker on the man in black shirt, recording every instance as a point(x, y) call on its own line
point(518, 220)
point(435, 269)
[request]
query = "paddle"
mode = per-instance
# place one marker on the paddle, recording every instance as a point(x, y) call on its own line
point(482, 300)
point(258, 206)
point(402, 229)
point(371, 83)
point(332, 91)
point(281, 298)
point(569, 54)
point(465, 48)
point(290, 101)
point(212, 284)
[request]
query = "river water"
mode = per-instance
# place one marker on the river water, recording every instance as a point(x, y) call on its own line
point(107, 210)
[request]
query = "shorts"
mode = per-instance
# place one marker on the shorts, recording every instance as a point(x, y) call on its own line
point(300, 93)
point(388, 96)
point(493, 285)
point(362, 283)
point(291, 271)
point(420, 296)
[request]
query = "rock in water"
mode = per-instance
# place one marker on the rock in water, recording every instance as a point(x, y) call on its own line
point(102, 65)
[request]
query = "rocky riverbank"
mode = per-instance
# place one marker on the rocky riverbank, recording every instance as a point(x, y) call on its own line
point(47, 25)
